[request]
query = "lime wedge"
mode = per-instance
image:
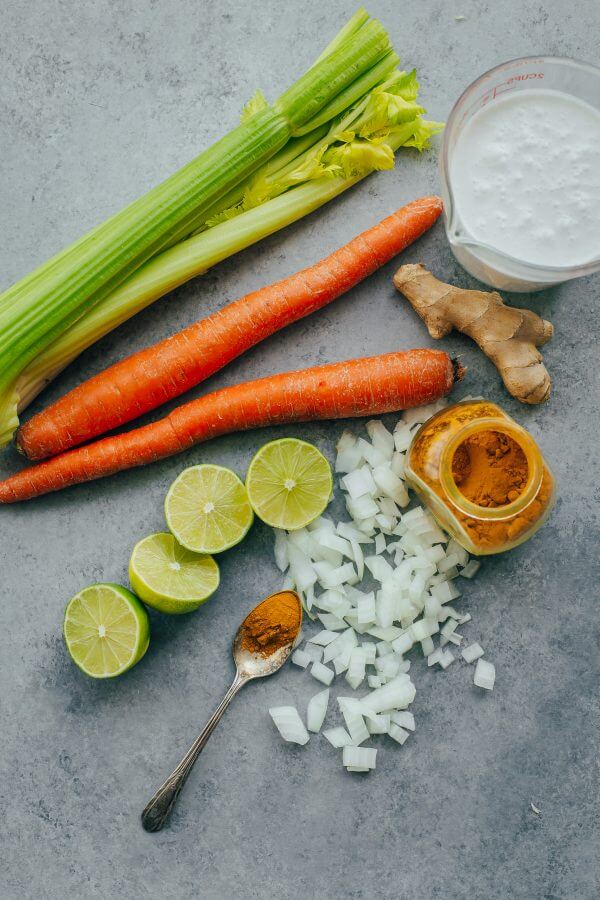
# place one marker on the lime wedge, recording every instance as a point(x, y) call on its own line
point(207, 509)
point(106, 630)
point(289, 483)
point(170, 578)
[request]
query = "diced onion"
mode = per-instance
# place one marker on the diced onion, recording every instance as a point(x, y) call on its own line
point(472, 652)
point(398, 733)
point(485, 675)
point(359, 758)
point(289, 724)
point(337, 737)
point(396, 694)
point(300, 658)
point(317, 710)
point(322, 673)
point(414, 564)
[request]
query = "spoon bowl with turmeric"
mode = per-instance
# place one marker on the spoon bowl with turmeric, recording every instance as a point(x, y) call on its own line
point(263, 643)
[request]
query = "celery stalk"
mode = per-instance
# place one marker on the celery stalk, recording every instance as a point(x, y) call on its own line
point(194, 256)
point(40, 308)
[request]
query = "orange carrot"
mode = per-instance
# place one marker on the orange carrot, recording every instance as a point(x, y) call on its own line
point(159, 373)
point(359, 387)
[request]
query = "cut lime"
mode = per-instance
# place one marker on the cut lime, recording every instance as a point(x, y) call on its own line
point(289, 483)
point(106, 630)
point(170, 578)
point(207, 509)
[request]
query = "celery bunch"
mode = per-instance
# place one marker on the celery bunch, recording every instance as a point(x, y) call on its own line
point(342, 120)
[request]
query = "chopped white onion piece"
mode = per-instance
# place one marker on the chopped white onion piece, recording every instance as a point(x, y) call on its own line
point(388, 666)
point(446, 630)
point(402, 436)
point(372, 455)
point(317, 710)
point(322, 638)
point(322, 673)
point(378, 724)
point(331, 622)
point(396, 694)
point(427, 646)
point(420, 414)
point(374, 681)
point(390, 485)
point(388, 507)
point(300, 658)
point(349, 453)
point(404, 719)
point(334, 542)
point(385, 523)
point(435, 657)
point(383, 648)
point(351, 709)
point(370, 652)
point(385, 634)
point(313, 651)
point(422, 629)
point(455, 638)
point(398, 464)
point(471, 568)
point(356, 668)
point(352, 533)
point(485, 675)
point(379, 544)
point(403, 643)
point(359, 758)
point(365, 609)
point(321, 524)
point(398, 734)
point(281, 553)
point(446, 658)
point(379, 568)
point(362, 508)
point(338, 576)
point(381, 438)
point(472, 652)
point(338, 737)
point(289, 724)
point(455, 548)
point(359, 482)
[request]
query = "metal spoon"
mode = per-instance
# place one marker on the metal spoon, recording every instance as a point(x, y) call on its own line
point(248, 666)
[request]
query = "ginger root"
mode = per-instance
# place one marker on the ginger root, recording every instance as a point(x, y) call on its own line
point(507, 335)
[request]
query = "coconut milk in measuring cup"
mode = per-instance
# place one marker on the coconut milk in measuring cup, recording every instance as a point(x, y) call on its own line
point(520, 169)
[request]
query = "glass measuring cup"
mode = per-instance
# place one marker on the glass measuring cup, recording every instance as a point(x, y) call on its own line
point(492, 266)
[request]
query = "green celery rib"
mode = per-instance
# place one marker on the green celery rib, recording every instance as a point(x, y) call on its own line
point(181, 263)
point(317, 87)
point(360, 18)
point(41, 307)
point(363, 84)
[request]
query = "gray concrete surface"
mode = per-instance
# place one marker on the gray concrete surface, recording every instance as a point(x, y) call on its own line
point(98, 101)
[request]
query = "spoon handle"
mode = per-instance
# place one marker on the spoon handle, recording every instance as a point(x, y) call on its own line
point(159, 808)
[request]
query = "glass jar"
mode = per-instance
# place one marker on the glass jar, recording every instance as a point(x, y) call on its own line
point(480, 529)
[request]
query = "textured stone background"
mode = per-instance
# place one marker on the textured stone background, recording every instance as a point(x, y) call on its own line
point(98, 101)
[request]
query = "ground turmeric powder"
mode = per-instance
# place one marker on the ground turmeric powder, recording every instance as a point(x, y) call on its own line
point(489, 468)
point(272, 624)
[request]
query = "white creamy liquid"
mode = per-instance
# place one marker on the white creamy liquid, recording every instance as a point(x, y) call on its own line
point(525, 176)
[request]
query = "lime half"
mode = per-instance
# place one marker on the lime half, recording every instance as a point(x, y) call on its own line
point(106, 630)
point(207, 509)
point(289, 483)
point(170, 578)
